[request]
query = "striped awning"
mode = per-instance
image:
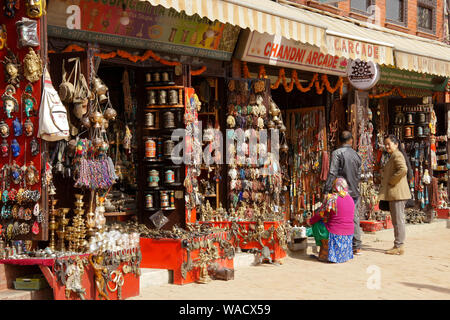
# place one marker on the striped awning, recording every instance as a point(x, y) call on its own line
point(261, 15)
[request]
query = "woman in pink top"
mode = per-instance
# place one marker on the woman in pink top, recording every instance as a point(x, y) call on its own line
point(333, 225)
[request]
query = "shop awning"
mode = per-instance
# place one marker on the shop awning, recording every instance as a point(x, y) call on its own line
point(347, 37)
point(262, 16)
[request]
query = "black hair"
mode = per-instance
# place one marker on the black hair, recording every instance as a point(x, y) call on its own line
point(345, 136)
point(394, 139)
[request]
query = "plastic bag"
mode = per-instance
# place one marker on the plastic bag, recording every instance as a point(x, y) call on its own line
point(159, 219)
point(27, 33)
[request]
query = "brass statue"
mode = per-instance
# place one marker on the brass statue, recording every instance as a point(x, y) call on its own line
point(99, 269)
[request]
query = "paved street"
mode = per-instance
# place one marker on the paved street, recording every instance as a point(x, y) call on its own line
point(422, 273)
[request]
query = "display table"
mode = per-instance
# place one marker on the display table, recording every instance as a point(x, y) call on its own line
point(175, 255)
point(269, 240)
point(129, 289)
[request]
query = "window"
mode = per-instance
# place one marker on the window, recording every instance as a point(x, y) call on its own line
point(426, 15)
point(360, 5)
point(395, 10)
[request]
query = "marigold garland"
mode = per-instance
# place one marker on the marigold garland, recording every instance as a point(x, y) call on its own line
point(320, 87)
point(388, 93)
point(134, 58)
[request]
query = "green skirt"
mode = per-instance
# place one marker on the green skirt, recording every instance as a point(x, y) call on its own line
point(319, 232)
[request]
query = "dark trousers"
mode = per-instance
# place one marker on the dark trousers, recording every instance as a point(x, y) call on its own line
point(357, 231)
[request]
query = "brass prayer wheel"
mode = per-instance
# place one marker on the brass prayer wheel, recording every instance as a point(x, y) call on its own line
point(168, 120)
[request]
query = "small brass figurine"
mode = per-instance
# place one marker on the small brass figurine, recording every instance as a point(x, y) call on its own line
point(99, 270)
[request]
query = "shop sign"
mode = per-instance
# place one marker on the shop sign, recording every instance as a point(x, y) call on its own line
point(403, 78)
point(363, 75)
point(279, 51)
point(355, 49)
point(138, 24)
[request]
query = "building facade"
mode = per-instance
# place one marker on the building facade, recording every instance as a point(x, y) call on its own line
point(423, 18)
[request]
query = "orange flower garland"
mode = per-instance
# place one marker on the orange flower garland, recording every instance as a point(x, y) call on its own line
point(294, 80)
point(134, 58)
point(388, 93)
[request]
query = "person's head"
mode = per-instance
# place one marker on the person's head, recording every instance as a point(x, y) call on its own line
point(340, 185)
point(391, 143)
point(346, 137)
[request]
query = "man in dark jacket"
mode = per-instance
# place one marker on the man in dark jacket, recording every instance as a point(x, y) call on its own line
point(346, 163)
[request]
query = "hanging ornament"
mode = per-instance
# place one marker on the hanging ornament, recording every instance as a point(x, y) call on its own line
point(16, 173)
point(4, 129)
point(3, 36)
point(10, 8)
point(10, 103)
point(12, 69)
point(32, 66)
point(35, 228)
point(29, 127)
point(4, 148)
point(15, 148)
point(34, 147)
point(35, 8)
point(17, 126)
point(28, 100)
point(31, 174)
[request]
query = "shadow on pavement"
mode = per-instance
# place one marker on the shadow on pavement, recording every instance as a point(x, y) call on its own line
point(427, 286)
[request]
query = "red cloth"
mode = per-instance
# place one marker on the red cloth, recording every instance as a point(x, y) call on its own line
point(49, 262)
point(325, 166)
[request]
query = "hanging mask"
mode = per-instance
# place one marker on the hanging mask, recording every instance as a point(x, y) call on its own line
point(15, 148)
point(16, 173)
point(17, 127)
point(34, 147)
point(4, 129)
point(35, 8)
point(10, 8)
point(27, 33)
point(10, 103)
point(3, 36)
point(12, 69)
point(28, 100)
point(29, 126)
point(31, 174)
point(32, 66)
point(4, 148)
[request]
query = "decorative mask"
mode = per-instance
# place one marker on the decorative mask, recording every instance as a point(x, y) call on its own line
point(31, 174)
point(15, 148)
point(29, 127)
point(35, 8)
point(17, 127)
point(4, 147)
point(4, 129)
point(32, 66)
point(9, 102)
point(16, 173)
point(34, 147)
point(12, 68)
point(10, 8)
point(28, 100)
point(3, 36)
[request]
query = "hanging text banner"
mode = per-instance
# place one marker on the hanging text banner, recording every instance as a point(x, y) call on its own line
point(138, 24)
point(279, 51)
point(403, 78)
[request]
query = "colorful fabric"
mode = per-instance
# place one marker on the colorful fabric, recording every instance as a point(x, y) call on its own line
point(340, 248)
point(340, 189)
point(319, 232)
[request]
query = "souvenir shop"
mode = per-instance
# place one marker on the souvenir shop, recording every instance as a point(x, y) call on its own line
point(411, 106)
point(103, 188)
point(307, 86)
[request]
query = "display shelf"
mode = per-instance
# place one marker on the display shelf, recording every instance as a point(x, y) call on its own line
point(163, 87)
point(168, 106)
point(116, 214)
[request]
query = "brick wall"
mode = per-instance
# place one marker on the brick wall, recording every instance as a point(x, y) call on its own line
point(343, 9)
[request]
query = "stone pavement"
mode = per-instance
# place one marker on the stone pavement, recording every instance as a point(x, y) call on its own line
point(422, 273)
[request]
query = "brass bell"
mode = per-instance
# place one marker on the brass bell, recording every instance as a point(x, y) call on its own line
point(274, 110)
point(99, 86)
point(270, 124)
point(79, 110)
point(284, 147)
point(110, 114)
point(97, 142)
point(283, 128)
point(86, 122)
point(105, 123)
point(102, 98)
point(276, 119)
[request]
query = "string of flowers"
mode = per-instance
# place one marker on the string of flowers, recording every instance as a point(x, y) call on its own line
point(133, 58)
point(388, 93)
point(320, 87)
